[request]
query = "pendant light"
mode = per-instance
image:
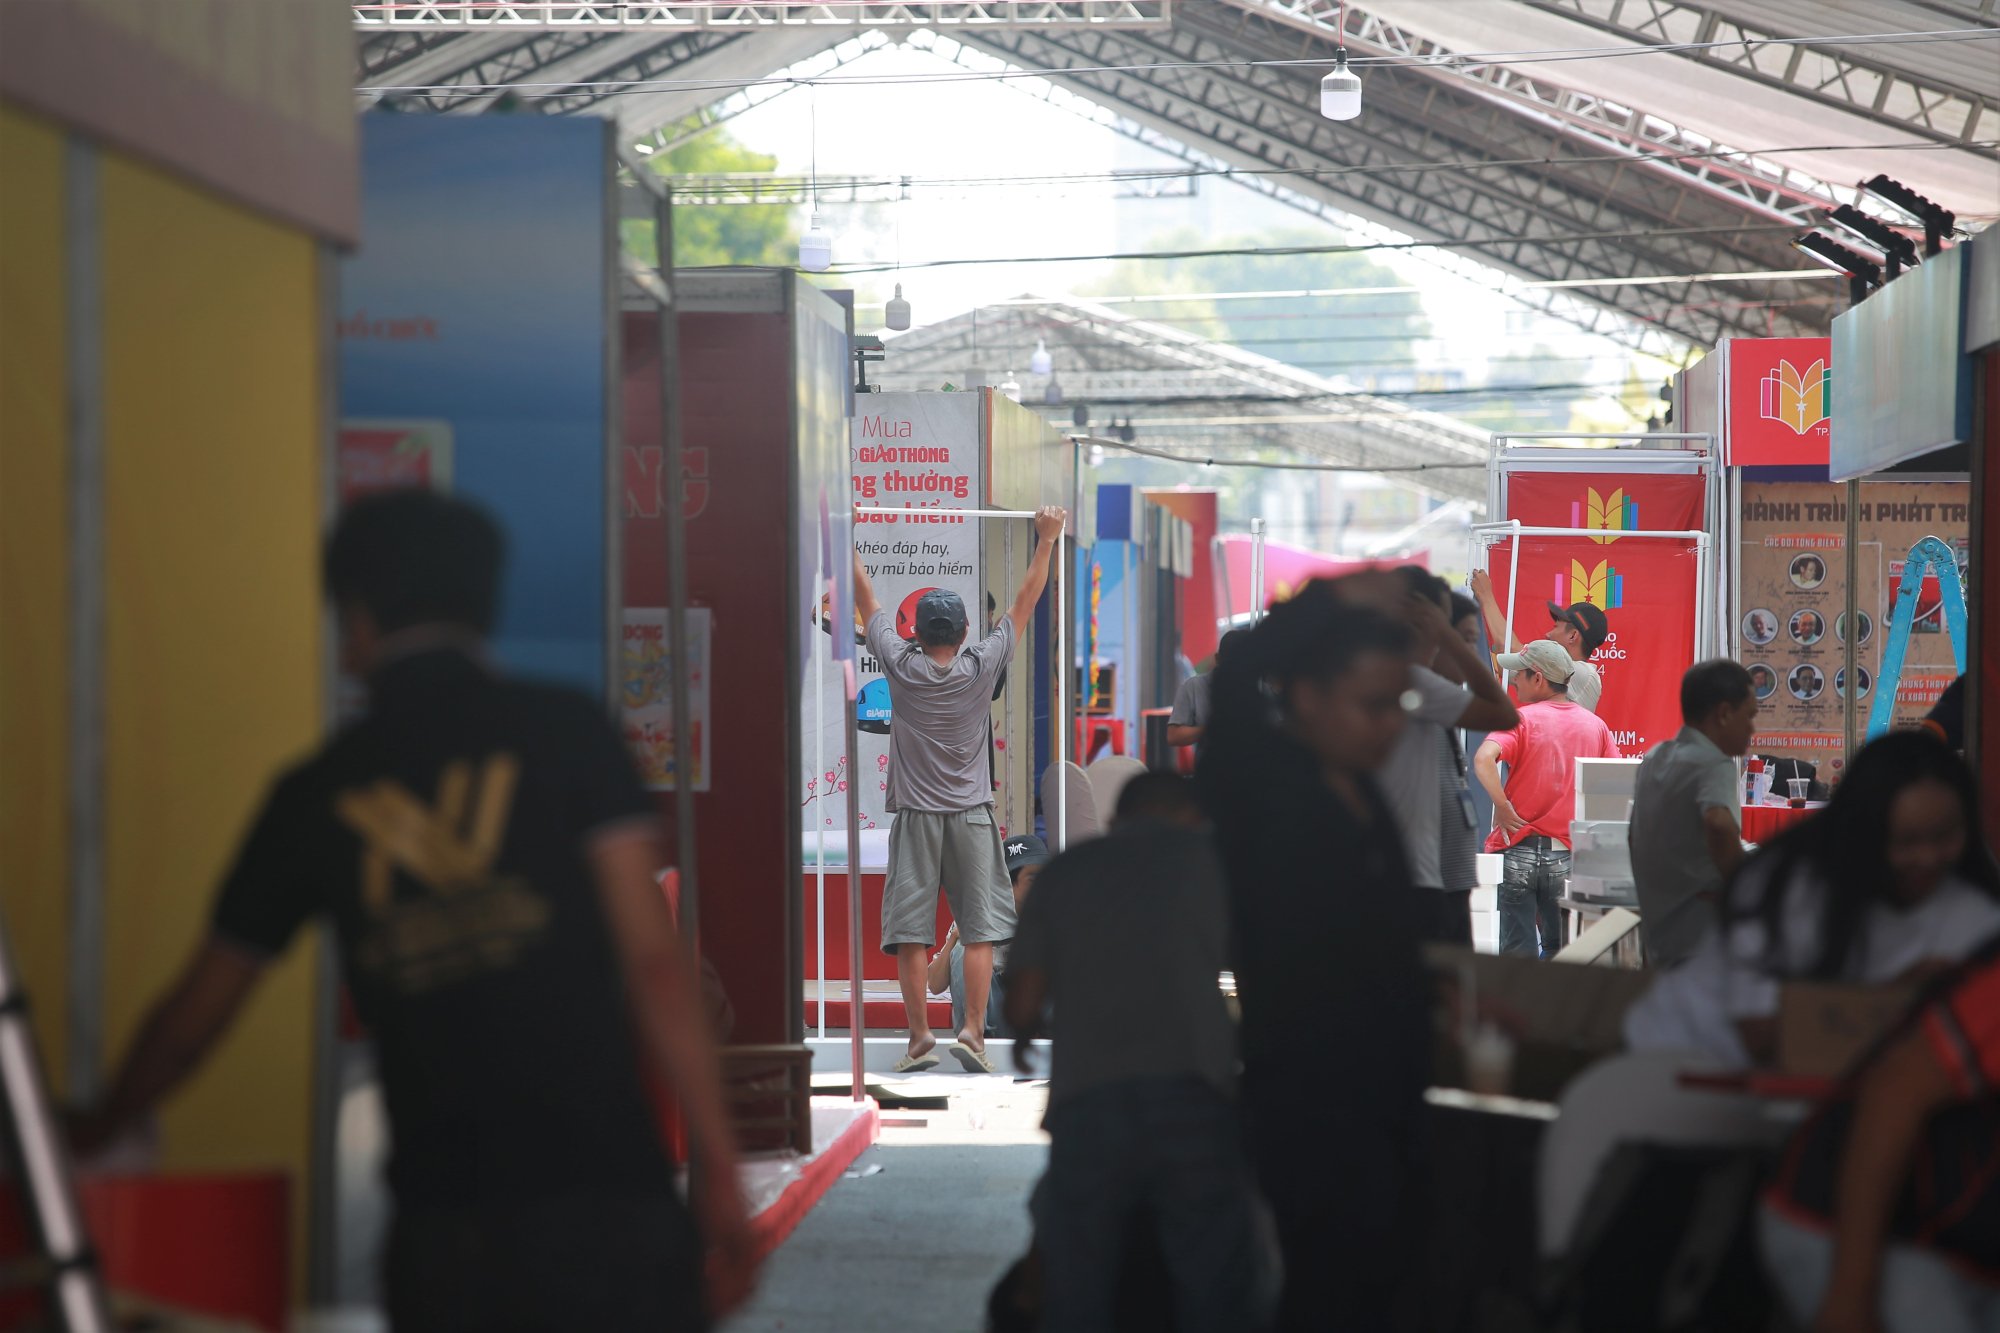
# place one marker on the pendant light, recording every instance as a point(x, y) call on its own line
point(816, 246)
point(1340, 90)
point(896, 313)
point(1040, 363)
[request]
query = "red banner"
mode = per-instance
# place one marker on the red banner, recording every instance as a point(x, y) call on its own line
point(1780, 397)
point(1615, 502)
point(1646, 587)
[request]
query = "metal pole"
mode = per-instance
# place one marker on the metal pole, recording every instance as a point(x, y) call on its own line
point(1062, 699)
point(1508, 636)
point(1256, 570)
point(857, 1013)
point(1849, 650)
point(819, 823)
point(956, 513)
point(677, 585)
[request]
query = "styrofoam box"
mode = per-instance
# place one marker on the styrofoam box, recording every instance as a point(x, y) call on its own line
point(1604, 788)
point(1587, 835)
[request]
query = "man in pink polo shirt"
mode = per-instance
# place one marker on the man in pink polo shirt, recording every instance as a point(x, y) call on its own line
point(1532, 810)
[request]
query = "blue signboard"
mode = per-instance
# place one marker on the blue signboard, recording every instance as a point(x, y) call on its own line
point(478, 311)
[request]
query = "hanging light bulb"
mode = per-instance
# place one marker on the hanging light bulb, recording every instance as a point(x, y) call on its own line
point(1097, 455)
point(1040, 363)
point(1011, 387)
point(1052, 396)
point(816, 247)
point(1340, 90)
point(896, 314)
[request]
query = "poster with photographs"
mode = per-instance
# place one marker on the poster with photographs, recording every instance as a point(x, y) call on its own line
point(1792, 629)
point(648, 702)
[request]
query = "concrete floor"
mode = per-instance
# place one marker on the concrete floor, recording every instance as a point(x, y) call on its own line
point(919, 1243)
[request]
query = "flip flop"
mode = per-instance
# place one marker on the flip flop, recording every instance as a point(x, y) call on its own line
point(975, 1062)
point(915, 1064)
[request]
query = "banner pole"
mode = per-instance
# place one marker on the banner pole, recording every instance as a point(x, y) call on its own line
point(1513, 584)
point(819, 822)
point(1062, 698)
point(857, 1009)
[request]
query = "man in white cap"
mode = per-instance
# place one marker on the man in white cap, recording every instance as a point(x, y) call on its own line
point(1580, 628)
point(1531, 812)
point(943, 833)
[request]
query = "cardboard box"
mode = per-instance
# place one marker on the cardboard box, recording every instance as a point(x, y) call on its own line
point(1823, 1029)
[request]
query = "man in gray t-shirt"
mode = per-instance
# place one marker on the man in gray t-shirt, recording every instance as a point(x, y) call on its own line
point(1423, 781)
point(942, 834)
point(1189, 718)
point(1687, 800)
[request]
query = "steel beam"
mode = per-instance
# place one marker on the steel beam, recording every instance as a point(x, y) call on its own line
point(1853, 78)
point(1546, 209)
point(717, 15)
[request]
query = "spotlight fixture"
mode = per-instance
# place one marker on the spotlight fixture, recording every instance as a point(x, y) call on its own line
point(1340, 90)
point(1040, 363)
point(816, 247)
point(896, 312)
point(1898, 249)
point(1938, 221)
point(1862, 274)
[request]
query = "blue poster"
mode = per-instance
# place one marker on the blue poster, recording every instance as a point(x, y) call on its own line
point(478, 311)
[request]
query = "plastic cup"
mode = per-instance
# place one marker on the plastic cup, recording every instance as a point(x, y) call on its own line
point(1799, 787)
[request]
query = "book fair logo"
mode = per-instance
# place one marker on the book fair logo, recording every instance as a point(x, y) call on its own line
point(1797, 400)
point(1603, 586)
point(1614, 514)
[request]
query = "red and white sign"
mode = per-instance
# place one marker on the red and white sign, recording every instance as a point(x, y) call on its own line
point(1780, 399)
point(1646, 586)
point(374, 456)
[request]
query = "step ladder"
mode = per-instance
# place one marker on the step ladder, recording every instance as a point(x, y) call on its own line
point(66, 1267)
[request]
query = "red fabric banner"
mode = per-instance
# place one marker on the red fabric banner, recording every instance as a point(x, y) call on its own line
point(1644, 585)
point(1646, 588)
point(1614, 501)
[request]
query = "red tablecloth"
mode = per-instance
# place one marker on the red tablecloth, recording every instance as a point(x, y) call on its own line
point(1761, 823)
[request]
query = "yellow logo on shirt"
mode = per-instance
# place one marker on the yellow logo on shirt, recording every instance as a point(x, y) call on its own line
point(465, 920)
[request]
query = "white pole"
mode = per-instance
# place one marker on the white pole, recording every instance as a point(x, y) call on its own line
point(934, 513)
point(1062, 699)
point(1507, 634)
point(1257, 597)
point(819, 821)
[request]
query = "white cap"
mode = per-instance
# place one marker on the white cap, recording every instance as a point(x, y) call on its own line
point(1550, 659)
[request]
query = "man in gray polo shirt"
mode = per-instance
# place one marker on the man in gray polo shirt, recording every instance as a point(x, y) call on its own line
point(943, 833)
point(1687, 835)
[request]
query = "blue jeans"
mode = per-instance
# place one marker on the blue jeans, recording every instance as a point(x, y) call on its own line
point(1169, 1151)
point(1530, 882)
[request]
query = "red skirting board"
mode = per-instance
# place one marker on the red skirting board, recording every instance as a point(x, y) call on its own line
point(778, 1219)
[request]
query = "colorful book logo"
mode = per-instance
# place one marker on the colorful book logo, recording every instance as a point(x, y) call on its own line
point(1603, 587)
point(1615, 513)
point(1796, 400)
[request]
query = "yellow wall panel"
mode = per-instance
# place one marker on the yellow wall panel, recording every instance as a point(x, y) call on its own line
point(212, 443)
point(34, 591)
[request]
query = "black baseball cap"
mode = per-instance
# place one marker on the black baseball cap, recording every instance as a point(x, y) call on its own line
point(1589, 619)
point(1026, 850)
point(940, 615)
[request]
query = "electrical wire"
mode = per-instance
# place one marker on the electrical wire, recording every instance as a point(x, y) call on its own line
point(1209, 461)
point(1376, 247)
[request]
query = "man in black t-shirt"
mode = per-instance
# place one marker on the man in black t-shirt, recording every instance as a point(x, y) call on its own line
point(487, 855)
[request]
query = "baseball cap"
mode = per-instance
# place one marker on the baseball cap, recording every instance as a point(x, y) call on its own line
point(1590, 622)
point(1543, 655)
point(940, 614)
point(1026, 850)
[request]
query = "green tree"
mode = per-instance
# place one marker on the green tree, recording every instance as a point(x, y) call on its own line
point(722, 234)
point(1361, 336)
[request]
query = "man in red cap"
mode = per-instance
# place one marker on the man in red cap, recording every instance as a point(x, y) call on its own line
point(1581, 628)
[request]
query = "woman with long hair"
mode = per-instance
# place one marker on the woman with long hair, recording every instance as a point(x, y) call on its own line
point(1893, 878)
point(1335, 1027)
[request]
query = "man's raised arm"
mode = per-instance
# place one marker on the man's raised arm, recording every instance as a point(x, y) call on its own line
point(865, 605)
point(1049, 522)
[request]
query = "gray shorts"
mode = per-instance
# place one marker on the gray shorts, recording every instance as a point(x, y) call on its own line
point(959, 852)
